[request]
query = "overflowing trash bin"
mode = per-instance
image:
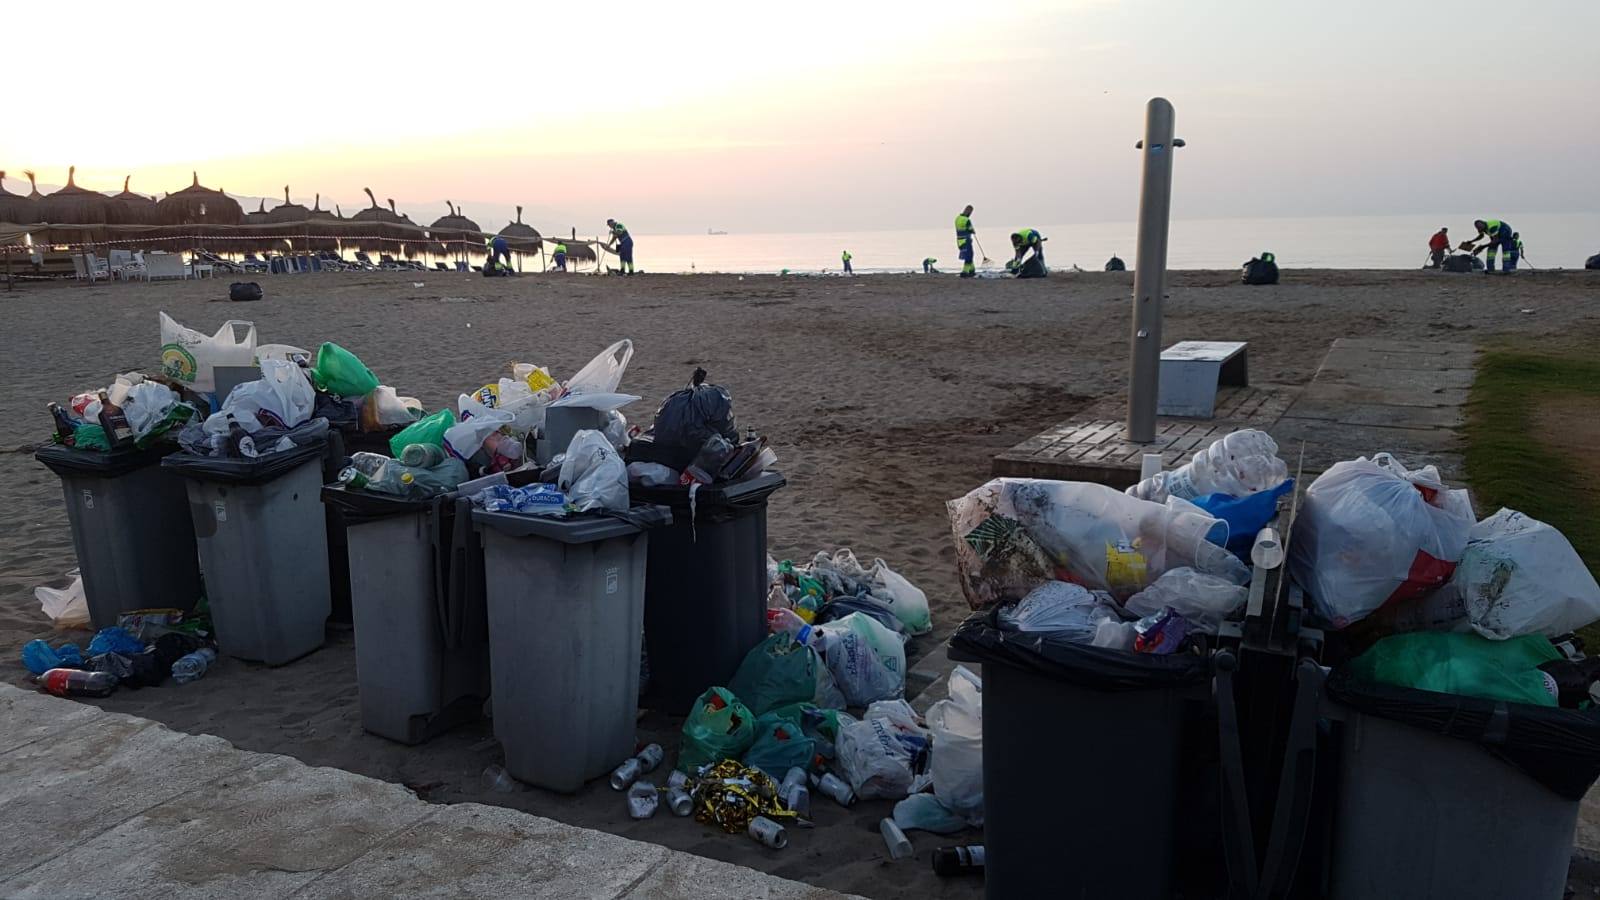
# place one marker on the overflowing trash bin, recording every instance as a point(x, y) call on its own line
point(262, 537)
point(416, 587)
point(565, 600)
point(706, 594)
point(130, 527)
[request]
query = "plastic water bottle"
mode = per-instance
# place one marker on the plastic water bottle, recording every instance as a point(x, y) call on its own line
point(192, 666)
point(422, 456)
point(899, 845)
point(1238, 464)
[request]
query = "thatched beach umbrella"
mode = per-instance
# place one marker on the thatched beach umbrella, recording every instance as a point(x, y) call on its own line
point(448, 228)
point(73, 205)
point(376, 227)
point(197, 205)
point(519, 237)
point(287, 228)
point(16, 208)
point(130, 208)
point(324, 227)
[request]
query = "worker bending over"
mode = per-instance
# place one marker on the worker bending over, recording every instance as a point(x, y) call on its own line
point(498, 250)
point(623, 241)
point(1028, 244)
point(927, 266)
point(561, 256)
point(1438, 248)
point(964, 237)
point(1500, 236)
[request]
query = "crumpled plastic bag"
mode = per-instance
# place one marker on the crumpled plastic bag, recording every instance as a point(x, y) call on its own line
point(384, 406)
point(280, 397)
point(593, 476)
point(1069, 611)
point(66, 607)
point(876, 754)
point(338, 371)
point(1013, 534)
point(780, 745)
point(924, 812)
point(114, 639)
point(465, 438)
point(782, 670)
point(603, 374)
point(868, 661)
point(1520, 576)
point(426, 430)
point(1204, 600)
point(718, 727)
point(147, 405)
point(956, 761)
point(1370, 532)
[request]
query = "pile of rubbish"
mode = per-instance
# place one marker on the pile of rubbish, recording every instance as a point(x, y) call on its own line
point(135, 411)
point(834, 585)
point(694, 440)
point(141, 650)
point(749, 761)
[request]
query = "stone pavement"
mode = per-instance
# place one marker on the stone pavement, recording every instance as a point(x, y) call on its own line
point(99, 804)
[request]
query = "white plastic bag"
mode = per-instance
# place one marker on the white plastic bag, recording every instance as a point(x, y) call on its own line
point(1070, 611)
point(956, 761)
point(867, 659)
point(1371, 533)
point(1520, 576)
point(593, 476)
point(650, 474)
point(875, 754)
point(603, 373)
point(389, 408)
point(616, 429)
point(525, 404)
point(285, 352)
point(476, 423)
point(1205, 600)
point(1013, 534)
point(191, 357)
point(924, 812)
point(66, 607)
point(907, 601)
point(146, 405)
point(282, 392)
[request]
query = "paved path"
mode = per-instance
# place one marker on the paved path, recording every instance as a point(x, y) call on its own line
point(98, 804)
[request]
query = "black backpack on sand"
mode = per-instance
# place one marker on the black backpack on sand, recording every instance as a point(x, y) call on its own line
point(1458, 263)
point(241, 291)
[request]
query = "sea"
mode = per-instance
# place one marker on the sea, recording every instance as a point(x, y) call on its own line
point(1553, 241)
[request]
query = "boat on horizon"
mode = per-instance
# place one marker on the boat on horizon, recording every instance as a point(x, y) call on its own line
point(714, 231)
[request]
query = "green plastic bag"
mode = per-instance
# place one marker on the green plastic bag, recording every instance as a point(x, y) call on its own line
point(719, 727)
point(338, 371)
point(426, 430)
point(780, 745)
point(1467, 665)
point(821, 725)
point(782, 670)
point(90, 437)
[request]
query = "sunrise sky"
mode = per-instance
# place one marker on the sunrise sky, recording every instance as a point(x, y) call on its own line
point(774, 117)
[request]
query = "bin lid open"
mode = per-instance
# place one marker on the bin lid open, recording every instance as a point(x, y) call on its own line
point(582, 528)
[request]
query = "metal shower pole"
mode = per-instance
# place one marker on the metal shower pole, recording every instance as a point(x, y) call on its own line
point(1150, 270)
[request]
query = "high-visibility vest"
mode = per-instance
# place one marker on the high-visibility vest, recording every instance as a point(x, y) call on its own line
point(561, 249)
point(963, 230)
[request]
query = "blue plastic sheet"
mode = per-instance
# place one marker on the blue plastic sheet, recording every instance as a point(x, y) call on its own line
point(1245, 515)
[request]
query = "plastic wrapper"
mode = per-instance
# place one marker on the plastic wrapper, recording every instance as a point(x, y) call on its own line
point(1161, 633)
point(1371, 532)
point(731, 795)
point(533, 500)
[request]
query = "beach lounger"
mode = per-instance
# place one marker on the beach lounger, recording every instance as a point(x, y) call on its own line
point(441, 267)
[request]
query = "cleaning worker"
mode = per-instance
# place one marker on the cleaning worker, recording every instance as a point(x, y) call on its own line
point(846, 257)
point(964, 235)
point(623, 241)
point(498, 249)
point(1024, 241)
point(927, 266)
point(1500, 236)
point(1438, 248)
point(1522, 252)
point(561, 256)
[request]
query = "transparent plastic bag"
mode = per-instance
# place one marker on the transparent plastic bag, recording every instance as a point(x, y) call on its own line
point(876, 754)
point(593, 476)
point(868, 661)
point(956, 761)
point(1205, 600)
point(603, 374)
point(1069, 611)
point(66, 607)
point(1237, 464)
point(1520, 576)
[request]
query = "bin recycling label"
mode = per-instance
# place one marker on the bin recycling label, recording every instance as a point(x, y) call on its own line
point(612, 577)
point(88, 499)
point(220, 508)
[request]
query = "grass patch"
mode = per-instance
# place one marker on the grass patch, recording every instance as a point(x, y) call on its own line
point(1512, 460)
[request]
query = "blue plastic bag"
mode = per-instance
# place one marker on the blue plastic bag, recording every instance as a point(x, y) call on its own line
point(1245, 515)
point(39, 658)
point(115, 639)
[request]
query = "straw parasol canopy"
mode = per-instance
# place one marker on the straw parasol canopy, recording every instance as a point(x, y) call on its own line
point(451, 225)
point(378, 226)
point(73, 205)
point(288, 210)
point(519, 237)
point(324, 227)
point(128, 208)
point(16, 208)
point(197, 205)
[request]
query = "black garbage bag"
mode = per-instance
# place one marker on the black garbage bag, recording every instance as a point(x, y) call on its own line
point(1033, 268)
point(1458, 263)
point(687, 418)
point(1559, 748)
point(1115, 264)
point(982, 639)
point(1261, 270)
point(242, 291)
point(1592, 262)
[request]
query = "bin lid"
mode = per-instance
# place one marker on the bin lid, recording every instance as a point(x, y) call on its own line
point(582, 528)
point(233, 470)
point(364, 506)
point(751, 492)
point(981, 639)
point(75, 463)
point(1559, 748)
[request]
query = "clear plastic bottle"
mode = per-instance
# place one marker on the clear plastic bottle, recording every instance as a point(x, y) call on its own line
point(422, 456)
point(899, 845)
point(1238, 464)
point(194, 665)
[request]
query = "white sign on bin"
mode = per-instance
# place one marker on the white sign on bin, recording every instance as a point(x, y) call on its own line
point(612, 576)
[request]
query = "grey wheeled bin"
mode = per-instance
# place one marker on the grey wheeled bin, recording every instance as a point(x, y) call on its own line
point(1441, 796)
point(130, 529)
point(566, 607)
point(416, 590)
point(705, 602)
point(263, 545)
point(1125, 723)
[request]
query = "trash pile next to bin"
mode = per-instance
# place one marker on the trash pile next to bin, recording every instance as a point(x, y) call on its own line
point(142, 650)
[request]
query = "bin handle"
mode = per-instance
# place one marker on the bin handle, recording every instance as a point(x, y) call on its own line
point(1291, 816)
point(1238, 839)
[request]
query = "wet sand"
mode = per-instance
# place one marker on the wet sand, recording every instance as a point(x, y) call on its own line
point(884, 396)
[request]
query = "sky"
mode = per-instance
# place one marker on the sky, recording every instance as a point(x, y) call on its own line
point(818, 116)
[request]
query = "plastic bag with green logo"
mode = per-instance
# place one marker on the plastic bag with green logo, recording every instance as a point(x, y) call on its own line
point(780, 745)
point(782, 670)
point(718, 727)
point(1463, 664)
point(338, 371)
point(426, 430)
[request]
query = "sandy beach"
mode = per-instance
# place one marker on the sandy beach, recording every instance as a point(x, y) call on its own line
point(884, 396)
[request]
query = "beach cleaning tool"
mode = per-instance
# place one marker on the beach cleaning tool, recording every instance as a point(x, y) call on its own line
point(1150, 269)
point(986, 260)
